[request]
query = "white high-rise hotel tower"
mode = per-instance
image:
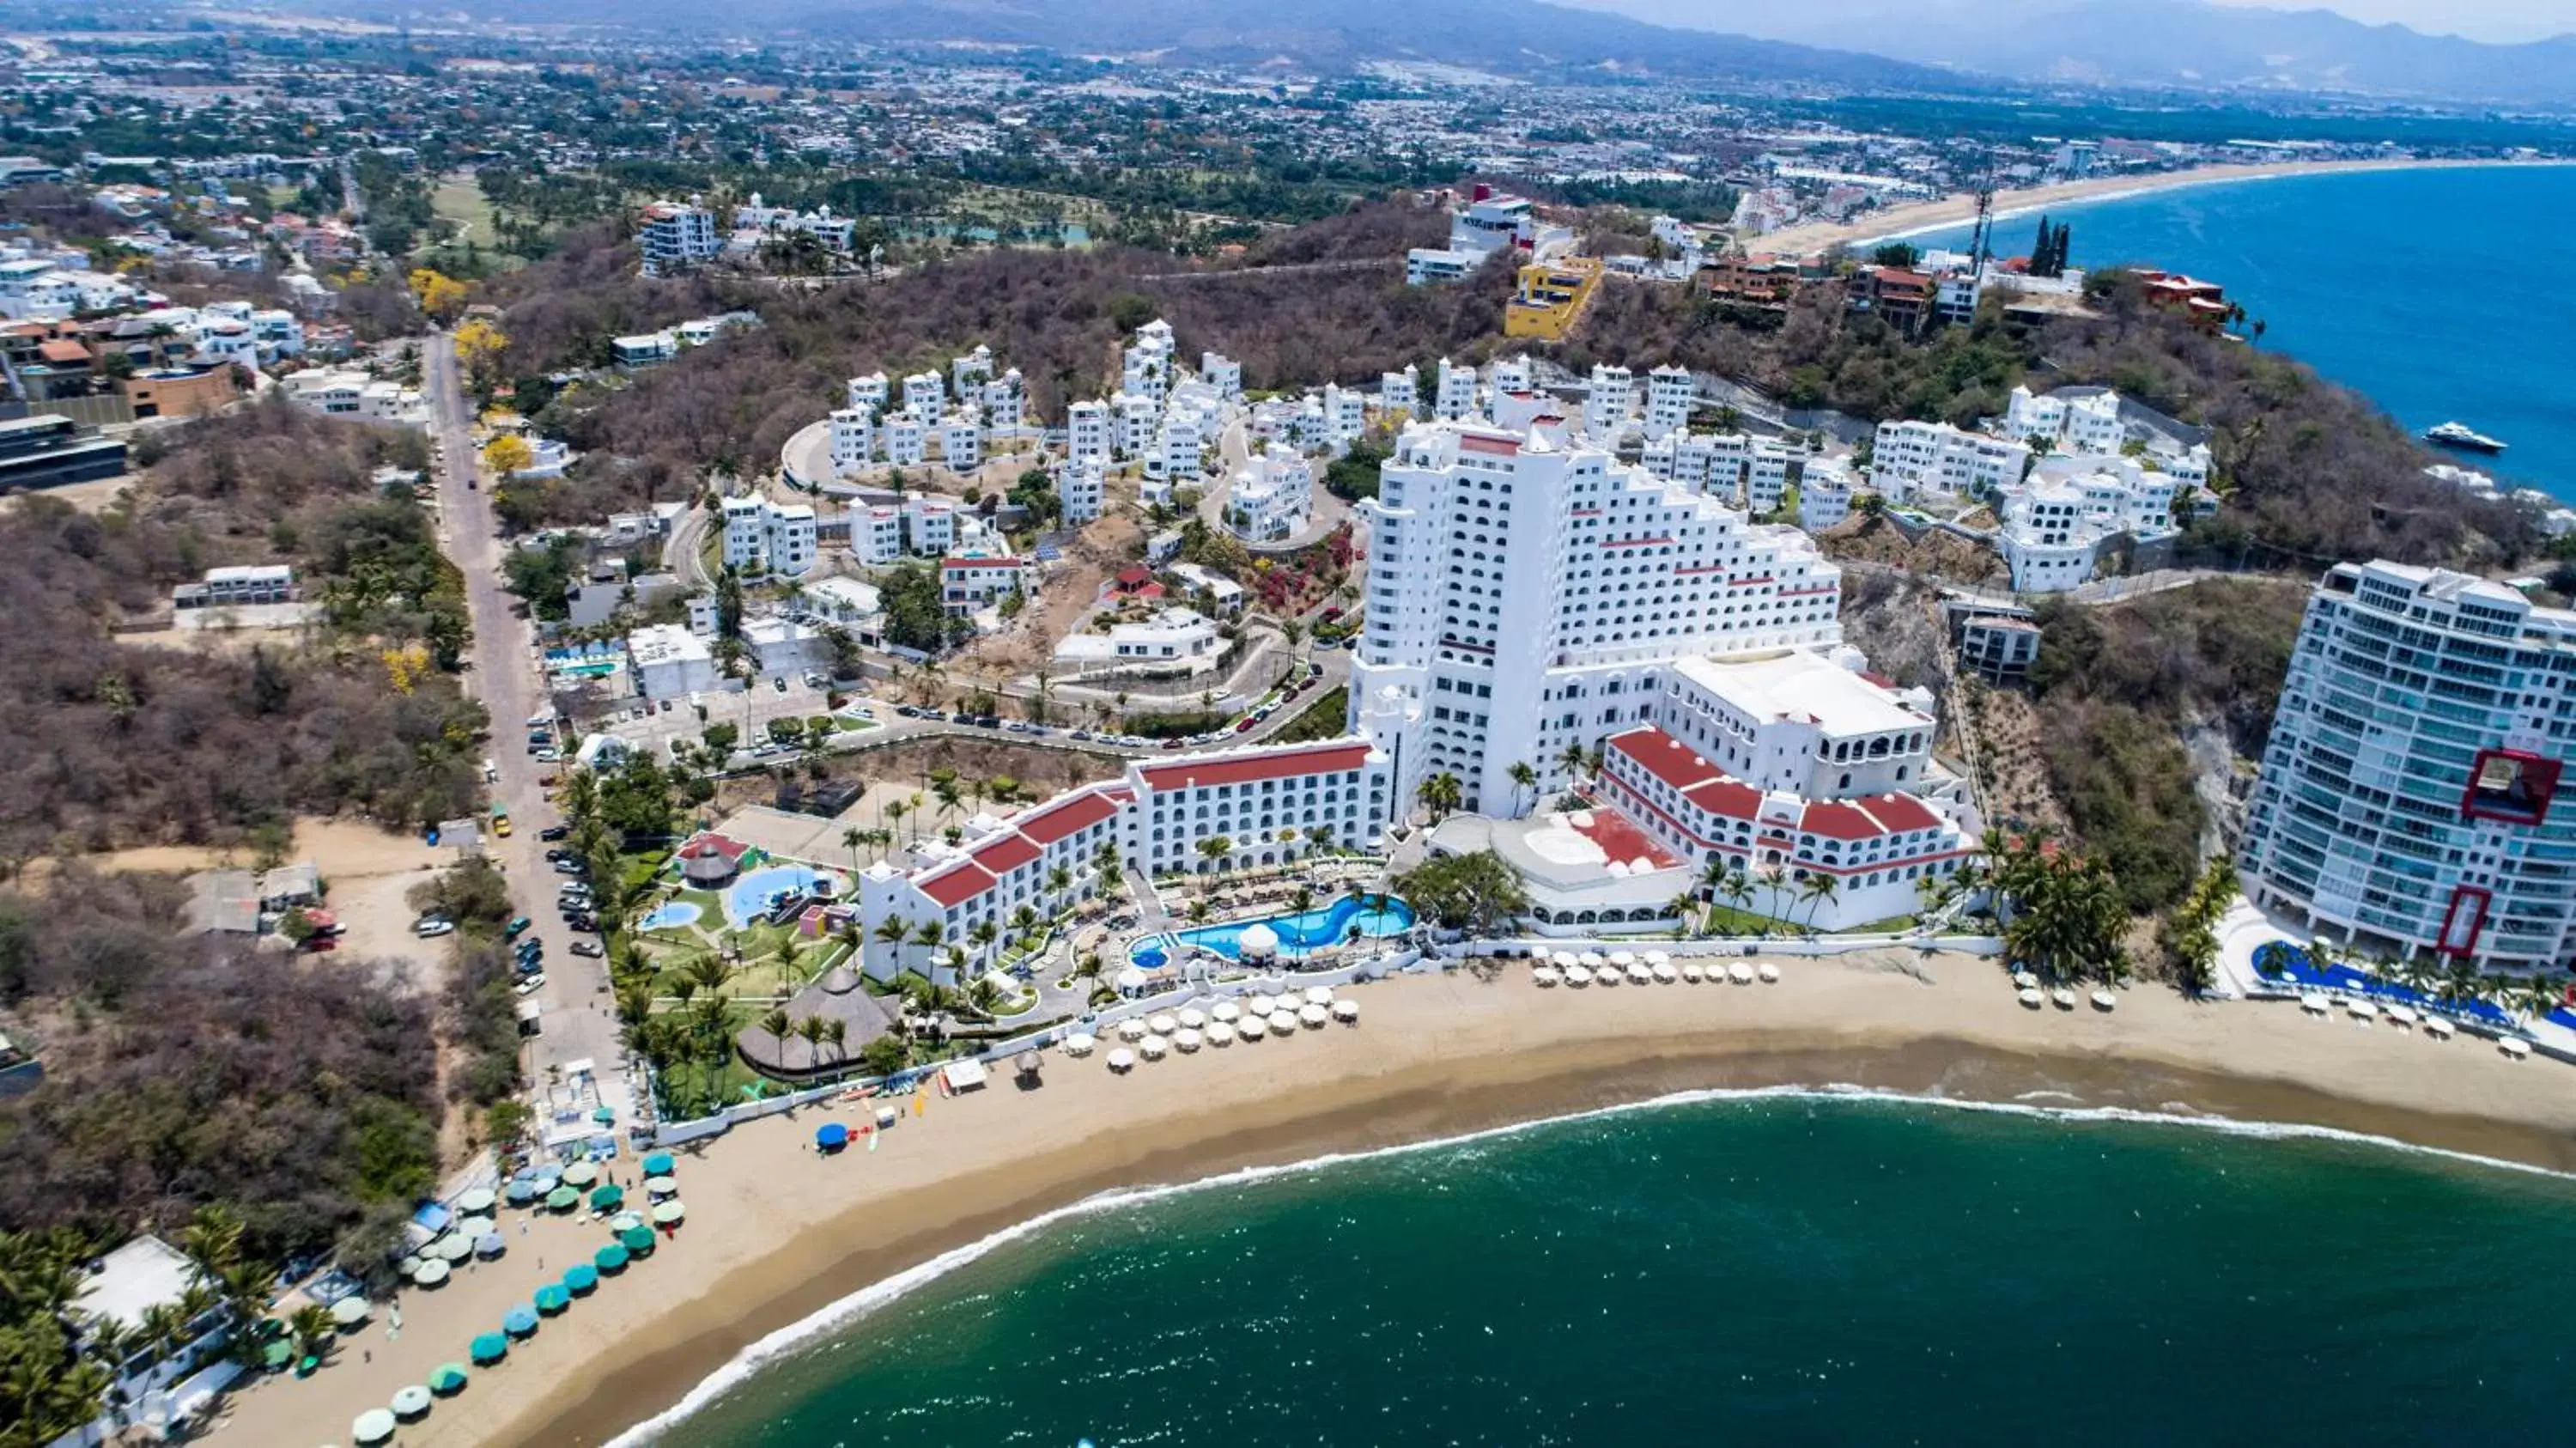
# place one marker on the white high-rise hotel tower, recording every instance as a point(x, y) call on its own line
point(1527, 591)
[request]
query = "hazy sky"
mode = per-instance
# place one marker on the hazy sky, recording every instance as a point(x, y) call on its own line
point(2496, 20)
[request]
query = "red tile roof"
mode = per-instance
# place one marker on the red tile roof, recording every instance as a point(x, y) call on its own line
point(1059, 821)
point(1867, 819)
point(980, 563)
point(1665, 757)
point(1903, 812)
point(956, 886)
point(1732, 798)
point(1836, 820)
point(1006, 854)
point(1478, 443)
point(1272, 764)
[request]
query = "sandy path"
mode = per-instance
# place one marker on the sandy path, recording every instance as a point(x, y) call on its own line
point(775, 1233)
point(1958, 210)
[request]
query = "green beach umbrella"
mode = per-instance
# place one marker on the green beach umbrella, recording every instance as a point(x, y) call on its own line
point(552, 1298)
point(489, 1347)
point(447, 1379)
point(611, 1258)
point(476, 1202)
point(606, 1199)
point(563, 1199)
point(658, 1164)
point(580, 1278)
point(277, 1353)
point(670, 1212)
point(638, 1240)
point(580, 1174)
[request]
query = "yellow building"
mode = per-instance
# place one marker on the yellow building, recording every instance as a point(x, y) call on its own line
point(1551, 296)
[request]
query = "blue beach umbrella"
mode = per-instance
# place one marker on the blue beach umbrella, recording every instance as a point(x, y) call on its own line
point(521, 1321)
point(831, 1136)
point(658, 1164)
point(489, 1347)
point(580, 1278)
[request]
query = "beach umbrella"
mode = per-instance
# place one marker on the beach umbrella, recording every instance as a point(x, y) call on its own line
point(521, 1193)
point(670, 1213)
point(2030, 996)
point(1663, 974)
point(373, 1426)
point(552, 1298)
point(1623, 958)
point(455, 1247)
point(1740, 973)
point(1282, 1024)
point(1132, 1029)
point(1693, 974)
point(408, 1265)
point(603, 1114)
point(1319, 995)
point(1152, 1047)
point(1312, 1016)
point(580, 1279)
point(1261, 1004)
point(1577, 975)
point(2103, 1000)
point(637, 1240)
point(473, 1227)
point(1564, 959)
point(349, 1311)
point(1122, 1059)
point(547, 1175)
point(2313, 1003)
point(2403, 1015)
point(563, 1199)
point(276, 1353)
point(1220, 1033)
point(580, 1174)
point(519, 1321)
point(476, 1202)
point(1590, 960)
point(1131, 979)
point(1028, 1064)
point(1603, 975)
point(2514, 1046)
point(488, 1347)
point(1225, 1011)
point(411, 1402)
point(2363, 1010)
point(447, 1379)
point(1637, 974)
point(658, 1187)
point(1547, 975)
point(1656, 957)
point(430, 1273)
point(1769, 973)
point(610, 1259)
point(490, 1245)
point(1080, 1044)
point(1162, 1023)
point(1346, 1010)
point(1188, 1040)
point(1193, 1019)
point(607, 1198)
point(658, 1164)
point(832, 1136)
point(1250, 1028)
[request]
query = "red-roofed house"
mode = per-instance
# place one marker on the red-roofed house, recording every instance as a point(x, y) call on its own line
point(967, 584)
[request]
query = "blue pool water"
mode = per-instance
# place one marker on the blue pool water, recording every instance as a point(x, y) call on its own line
point(670, 916)
point(2283, 961)
point(1299, 934)
point(747, 899)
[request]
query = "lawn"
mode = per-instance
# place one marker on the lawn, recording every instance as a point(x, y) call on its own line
point(1321, 719)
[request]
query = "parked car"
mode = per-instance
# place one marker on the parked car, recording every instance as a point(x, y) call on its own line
point(1240, 725)
point(666, 706)
point(780, 684)
point(586, 923)
point(907, 711)
point(549, 756)
point(590, 948)
point(429, 927)
point(517, 927)
point(571, 867)
point(554, 832)
point(988, 721)
point(531, 984)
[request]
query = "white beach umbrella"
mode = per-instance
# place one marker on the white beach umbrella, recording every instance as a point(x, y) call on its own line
point(1162, 1024)
point(1770, 973)
point(1226, 1011)
point(2437, 1027)
point(2313, 1003)
point(1564, 960)
point(1623, 958)
point(1192, 1018)
point(2023, 978)
point(1122, 1059)
point(2403, 1015)
point(1282, 1024)
point(1346, 1009)
point(1131, 1029)
point(2514, 1046)
point(1153, 1047)
point(1591, 959)
point(1547, 975)
point(2364, 1011)
point(1692, 973)
point(1604, 975)
point(1080, 1044)
point(1740, 973)
point(1657, 957)
point(1250, 1028)
point(1260, 1003)
point(2062, 998)
point(2031, 997)
point(1188, 1040)
point(1313, 1016)
point(1220, 1033)
point(1577, 976)
point(1638, 974)
point(1663, 974)
point(1131, 979)
point(1319, 995)
point(2103, 1000)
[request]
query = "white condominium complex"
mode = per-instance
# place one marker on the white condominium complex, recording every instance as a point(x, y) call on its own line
point(2055, 526)
point(1078, 489)
point(1086, 432)
point(2083, 420)
point(765, 537)
point(1910, 457)
point(1525, 592)
point(854, 439)
point(1669, 391)
point(674, 237)
point(2407, 802)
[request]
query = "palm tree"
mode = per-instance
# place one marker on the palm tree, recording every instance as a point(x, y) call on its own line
point(1200, 910)
point(930, 933)
point(1819, 891)
point(837, 1031)
point(1571, 759)
point(1682, 907)
point(313, 1330)
point(811, 1030)
point(1440, 794)
point(1524, 776)
point(1058, 881)
point(1302, 899)
point(851, 839)
point(983, 933)
point(1214, 849)
point(986, 996)
point(1024, 919)
point(897, 809)
point(1737, 888)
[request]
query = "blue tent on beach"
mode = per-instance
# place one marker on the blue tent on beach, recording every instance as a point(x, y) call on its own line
point(831, 1136)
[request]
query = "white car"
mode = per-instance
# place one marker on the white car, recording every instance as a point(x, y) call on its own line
point(530, 984)
point(433, 927)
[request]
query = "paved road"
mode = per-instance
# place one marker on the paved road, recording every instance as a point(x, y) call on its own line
point(577, 1024)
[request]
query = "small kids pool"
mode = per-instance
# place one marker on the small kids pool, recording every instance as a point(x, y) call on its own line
point(748, 898)
point(1299, 935)
point(671, 915)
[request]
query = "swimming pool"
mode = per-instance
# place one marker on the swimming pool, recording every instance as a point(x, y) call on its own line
point(2280, 960)
point(1300, 934)
point(671, 915)
point(747, 899)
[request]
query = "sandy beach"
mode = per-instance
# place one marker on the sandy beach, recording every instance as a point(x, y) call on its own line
point(1961, 209)
point(775, 1232)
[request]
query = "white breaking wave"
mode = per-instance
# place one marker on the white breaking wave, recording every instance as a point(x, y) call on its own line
point(839, 1314)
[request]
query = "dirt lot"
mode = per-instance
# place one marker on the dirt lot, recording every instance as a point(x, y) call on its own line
point(904, 769)
point(1065, 594)
point(91, 497)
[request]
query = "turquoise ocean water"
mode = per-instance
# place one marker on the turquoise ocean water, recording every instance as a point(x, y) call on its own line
point(2434, 292)
point(1772, 1269)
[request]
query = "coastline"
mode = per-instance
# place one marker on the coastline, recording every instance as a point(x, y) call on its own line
point(777, 1234)
point(1916, 218)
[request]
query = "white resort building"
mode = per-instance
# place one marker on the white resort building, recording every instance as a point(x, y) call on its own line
point(1273, 495)
point(2408, 797)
